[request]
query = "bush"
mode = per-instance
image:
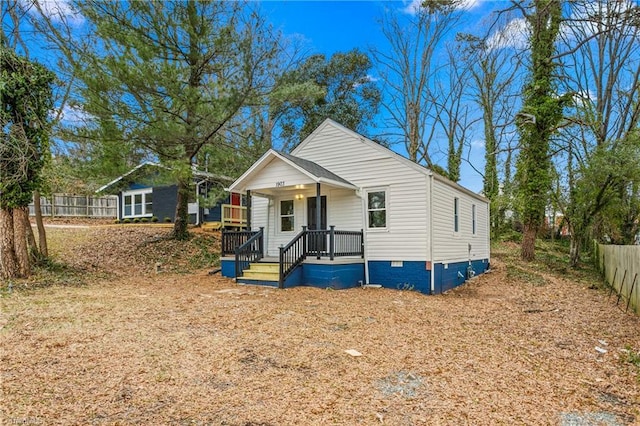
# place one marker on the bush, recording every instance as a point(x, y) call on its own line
point(154, 219)
point(126, 220)
point(510, 236)
point(144, 220)
point(167, 219)
point(136, 220)
point(117, 221)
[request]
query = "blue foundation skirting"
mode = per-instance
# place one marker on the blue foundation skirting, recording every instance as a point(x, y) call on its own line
point(336, 276)
point(228, 267)
point(403, 275)
point(450, 275)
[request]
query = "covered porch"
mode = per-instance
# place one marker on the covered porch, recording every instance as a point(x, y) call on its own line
point(288, 240)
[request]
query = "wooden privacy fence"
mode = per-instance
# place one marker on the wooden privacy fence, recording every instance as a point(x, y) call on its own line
point(70, 205)
point(620, 267)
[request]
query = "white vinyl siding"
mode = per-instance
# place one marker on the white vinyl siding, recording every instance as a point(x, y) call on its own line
point(408, 197)
point(344, 210)
point(278, 174)
point(450, 246)
point(259, 208)
point(369, 168)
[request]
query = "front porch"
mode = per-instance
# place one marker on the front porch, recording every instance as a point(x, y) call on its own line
point(320, 258)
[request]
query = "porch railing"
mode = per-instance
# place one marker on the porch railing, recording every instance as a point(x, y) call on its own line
point(319, 243)
point(248, 246)
point(333, 243)
point(233, 239)
point(234, 216)
point(251, 251)
point(292, 255)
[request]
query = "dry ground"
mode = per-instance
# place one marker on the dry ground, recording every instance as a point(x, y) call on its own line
point(126, 346)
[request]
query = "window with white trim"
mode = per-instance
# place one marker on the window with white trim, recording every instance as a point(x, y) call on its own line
point(286, 215)
point(456, 210)
point(473, 219)
point(137, 203)
point(377, 209)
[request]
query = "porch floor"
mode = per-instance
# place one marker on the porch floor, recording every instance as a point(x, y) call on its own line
point(310, 259)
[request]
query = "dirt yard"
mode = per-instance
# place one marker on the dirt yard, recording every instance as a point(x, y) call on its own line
point(128, 346)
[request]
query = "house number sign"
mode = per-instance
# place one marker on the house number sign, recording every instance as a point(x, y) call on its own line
point(280, 184)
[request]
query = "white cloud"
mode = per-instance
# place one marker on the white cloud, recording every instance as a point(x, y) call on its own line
point(477, 143)
point(73, 115)
point(413, 6)
point(57, 10)
point(514, 35)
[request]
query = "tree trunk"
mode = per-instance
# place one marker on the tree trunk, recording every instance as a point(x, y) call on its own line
point(529, 242)
point(180, 231)
point(32, 247)
point(8, 261)
point(42, 235)
point(574, 250)
point(20, 222)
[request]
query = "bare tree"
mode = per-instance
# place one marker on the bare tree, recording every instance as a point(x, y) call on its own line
point(452, 108)
point(493, 72)
point(601, 47)
point(408, 69)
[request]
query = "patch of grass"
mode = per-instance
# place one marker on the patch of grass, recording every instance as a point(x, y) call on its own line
point(552, 257)
point(204, 255)
point(45, 273)
point(632, 357)
point(520, 274)
point(511, 237)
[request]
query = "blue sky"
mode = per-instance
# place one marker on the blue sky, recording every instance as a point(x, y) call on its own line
point(339, 26)
point(332, 26)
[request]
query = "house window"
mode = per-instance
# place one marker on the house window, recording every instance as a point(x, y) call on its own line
point(376, 209)
point(473, 219)
point(455, 214)
point(137, 203)
point(286, 215)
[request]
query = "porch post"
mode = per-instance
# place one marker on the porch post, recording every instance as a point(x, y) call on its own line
point(248, 210)
point(318, 207)
point(318, 236)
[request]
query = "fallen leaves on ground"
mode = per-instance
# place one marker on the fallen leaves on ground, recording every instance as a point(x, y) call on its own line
point(196, 348)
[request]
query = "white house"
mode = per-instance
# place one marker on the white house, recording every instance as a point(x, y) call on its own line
point(382, 219)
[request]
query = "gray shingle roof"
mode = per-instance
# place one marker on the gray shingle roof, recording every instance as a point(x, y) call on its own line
point(314, 169)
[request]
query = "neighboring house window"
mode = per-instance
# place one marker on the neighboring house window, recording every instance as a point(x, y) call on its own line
point(456, 211)
point(473, 219)
point(377, 209)
point(286, 215)
point(138, 203)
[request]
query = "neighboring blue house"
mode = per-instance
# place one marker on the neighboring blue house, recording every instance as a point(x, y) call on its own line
point(146, 192)
point(342, 211)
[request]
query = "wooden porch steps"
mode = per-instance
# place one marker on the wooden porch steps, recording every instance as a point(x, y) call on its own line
point(262, 271)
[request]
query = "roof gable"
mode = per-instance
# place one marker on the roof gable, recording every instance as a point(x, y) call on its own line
point(361, 139)
point(308, 169)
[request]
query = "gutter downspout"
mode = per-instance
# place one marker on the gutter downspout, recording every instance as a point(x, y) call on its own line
point(433, 265)
point(360, 194)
